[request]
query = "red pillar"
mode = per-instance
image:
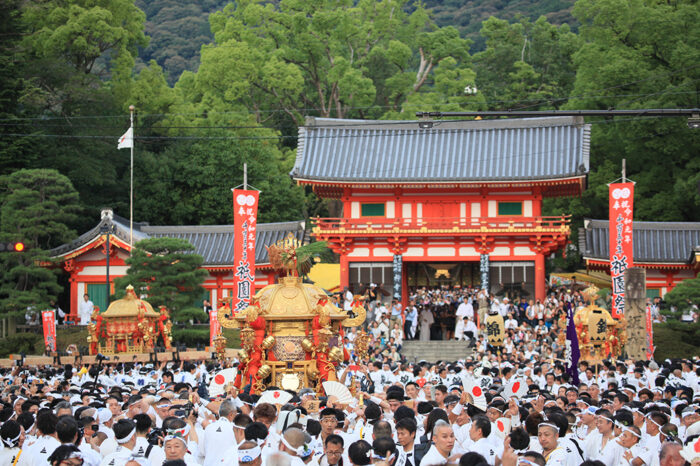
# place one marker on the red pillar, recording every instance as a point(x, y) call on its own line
point(344, 270)
point(219, 288)
point(539, 277)
point(73, 312)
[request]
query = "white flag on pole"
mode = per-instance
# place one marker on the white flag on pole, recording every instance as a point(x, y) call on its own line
point(126, 141)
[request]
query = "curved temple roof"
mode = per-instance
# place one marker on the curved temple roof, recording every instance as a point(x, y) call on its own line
point(466, 151)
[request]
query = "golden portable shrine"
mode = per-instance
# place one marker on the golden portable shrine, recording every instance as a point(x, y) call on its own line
point(291, 333)
point(129, 325)
point(599, 334)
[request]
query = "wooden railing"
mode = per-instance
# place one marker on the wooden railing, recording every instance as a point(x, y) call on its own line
point(465, 226)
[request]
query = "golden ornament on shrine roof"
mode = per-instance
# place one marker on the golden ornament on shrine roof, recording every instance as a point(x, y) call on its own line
point(129, 306)
point(590, 294)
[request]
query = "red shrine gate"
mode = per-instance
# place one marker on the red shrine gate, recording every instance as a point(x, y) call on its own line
point(457, 204)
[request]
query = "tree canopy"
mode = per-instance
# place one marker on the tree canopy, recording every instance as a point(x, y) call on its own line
point(36, 208)
point(168, 273)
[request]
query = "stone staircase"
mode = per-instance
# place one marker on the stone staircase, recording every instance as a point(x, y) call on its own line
point(433, 351)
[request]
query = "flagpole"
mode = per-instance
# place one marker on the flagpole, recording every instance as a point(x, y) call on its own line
point(131, 184)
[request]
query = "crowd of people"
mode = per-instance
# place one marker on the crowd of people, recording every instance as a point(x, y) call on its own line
point(515, 407)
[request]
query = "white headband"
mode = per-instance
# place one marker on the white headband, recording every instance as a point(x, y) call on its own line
point(246, 456)
point(299, 451)
point(12, 442)
point(127, 438)
point(548, 424)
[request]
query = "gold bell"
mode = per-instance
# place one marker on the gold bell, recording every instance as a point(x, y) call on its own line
point(243, 356)
point(307, 345)
point(268, 342)
point(264, 372)
point(335, 354)
point(312, 373)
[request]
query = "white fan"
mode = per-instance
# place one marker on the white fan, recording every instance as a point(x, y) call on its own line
point(218, 383)
point(515, 388)
point(338, 390)
point(477, 395)
point(275, 397)
point(502, 426)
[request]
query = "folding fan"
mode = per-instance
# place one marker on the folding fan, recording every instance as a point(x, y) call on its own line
point(502, 425)
point(218, 383)
point(338, 390)
point(275, 397)
point(477, 396)
point(515, 388)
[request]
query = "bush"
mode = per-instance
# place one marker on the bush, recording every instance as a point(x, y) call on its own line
point(192, 337)
point(27, 343)
point(190, 314)
point(676, 340)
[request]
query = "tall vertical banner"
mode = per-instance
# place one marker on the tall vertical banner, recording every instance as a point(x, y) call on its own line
point(48, 320)
point(245, 222)
point(621, 197)
point(484, 271)
point(397, 269)
point(214, 327)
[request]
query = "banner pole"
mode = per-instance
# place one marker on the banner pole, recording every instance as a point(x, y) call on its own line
point(131, 183)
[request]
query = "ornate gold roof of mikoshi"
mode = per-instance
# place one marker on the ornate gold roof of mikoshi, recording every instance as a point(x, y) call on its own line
point(129, 306)
point(292, 298)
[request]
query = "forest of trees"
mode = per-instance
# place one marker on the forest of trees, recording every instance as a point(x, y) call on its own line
point(217, 84)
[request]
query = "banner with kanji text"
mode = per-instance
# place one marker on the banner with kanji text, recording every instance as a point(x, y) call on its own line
point(245, 222)
point(621, 197)
point(214, 327)
point(48, 320)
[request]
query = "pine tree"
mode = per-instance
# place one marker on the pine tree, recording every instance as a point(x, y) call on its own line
point(36, 207)
point(167, 273)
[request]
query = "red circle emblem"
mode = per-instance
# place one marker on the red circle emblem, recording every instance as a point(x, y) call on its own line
point(697, 446)
point(276, 394)
point(476, 391)
point(500, 426)
point(516, 387)
point(219, 379)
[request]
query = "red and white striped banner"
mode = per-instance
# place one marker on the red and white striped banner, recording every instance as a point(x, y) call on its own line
point(48, 320)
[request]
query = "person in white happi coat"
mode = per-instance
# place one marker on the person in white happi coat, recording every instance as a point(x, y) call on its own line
point(85, 309)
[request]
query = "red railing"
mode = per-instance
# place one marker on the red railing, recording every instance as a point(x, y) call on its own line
point(458, 226)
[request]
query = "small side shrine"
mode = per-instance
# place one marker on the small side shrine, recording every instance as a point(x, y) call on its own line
point(291, 333)
point(129, 325)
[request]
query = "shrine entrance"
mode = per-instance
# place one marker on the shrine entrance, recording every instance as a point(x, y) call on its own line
point(450, 274)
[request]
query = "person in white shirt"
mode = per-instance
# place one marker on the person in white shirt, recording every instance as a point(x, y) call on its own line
point(548, 436)
point(12, 436)
point(45, 444)
point(219, 435)
point(478, 434)
point(125, 436)
point(85, 310)
point(406, 435)
point(292, 445)
point(441, 452)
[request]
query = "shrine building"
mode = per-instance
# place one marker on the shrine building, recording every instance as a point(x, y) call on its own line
point(84, 259)
point(443, 202)
point(668, 251)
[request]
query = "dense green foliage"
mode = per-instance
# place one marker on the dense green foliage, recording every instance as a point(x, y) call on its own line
point(467, 15)
point(35, 207)
point(167, 273)
point(218, 84)
point(676, 340)
point(684, 295)
point(177, 30)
